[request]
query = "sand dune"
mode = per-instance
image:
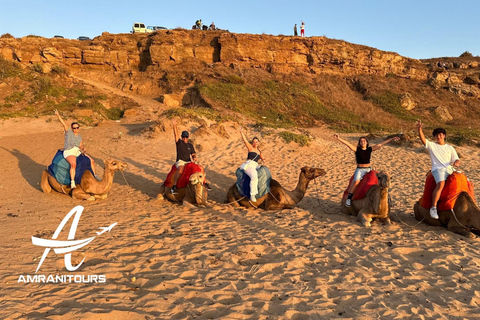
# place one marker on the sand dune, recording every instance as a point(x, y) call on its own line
point(165, 261)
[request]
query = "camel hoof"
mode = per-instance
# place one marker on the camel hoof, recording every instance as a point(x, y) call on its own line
point(91, 198)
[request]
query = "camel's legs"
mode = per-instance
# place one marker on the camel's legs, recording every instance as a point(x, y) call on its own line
point(79, 194)
point(364, 218)
point(44, 184)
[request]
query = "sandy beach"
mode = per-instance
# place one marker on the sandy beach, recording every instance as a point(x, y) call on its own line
point(169, 261)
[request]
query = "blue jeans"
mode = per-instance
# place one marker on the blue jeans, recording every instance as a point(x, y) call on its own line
point(360, 172)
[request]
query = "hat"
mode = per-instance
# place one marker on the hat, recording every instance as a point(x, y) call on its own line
point(185, 134)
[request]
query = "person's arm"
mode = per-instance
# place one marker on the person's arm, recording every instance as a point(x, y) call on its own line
point(345, 142)
point(381, 144)
point(175, 130)
point(456, 164)
point(455, 159)
point(82, 147)
point(247, 144)
point(262, 156)
point(65, 127)
point(193, 157)
point(419, 125)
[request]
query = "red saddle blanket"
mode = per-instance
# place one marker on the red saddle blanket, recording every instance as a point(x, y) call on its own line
point(456, 183)
point(370, 179)
point(190, 168)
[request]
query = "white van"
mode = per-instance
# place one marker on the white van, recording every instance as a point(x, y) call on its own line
point(139, 28)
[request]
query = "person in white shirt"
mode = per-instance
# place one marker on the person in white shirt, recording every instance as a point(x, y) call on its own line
point(444, 158)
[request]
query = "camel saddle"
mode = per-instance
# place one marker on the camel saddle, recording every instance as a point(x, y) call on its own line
point(456, 183)
point(369, 179)
point(60, 168)
point(243, 182)
point(189, 169)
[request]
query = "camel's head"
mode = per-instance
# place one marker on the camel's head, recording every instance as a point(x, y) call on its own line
point(114, 165)
point(312, 173)
point(383, 179)
point(197, 181)
point(197, 177)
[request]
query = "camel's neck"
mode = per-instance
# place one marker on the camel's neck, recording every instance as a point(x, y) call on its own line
point(383, 205)
point(106, 182)
point(299, 192)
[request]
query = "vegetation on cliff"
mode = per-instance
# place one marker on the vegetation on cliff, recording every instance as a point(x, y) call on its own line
point(280, 82)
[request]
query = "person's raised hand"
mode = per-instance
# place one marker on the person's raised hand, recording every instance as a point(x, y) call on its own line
point(418, 124)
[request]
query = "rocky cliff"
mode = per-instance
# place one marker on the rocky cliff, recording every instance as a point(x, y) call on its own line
point(173, 66)
point(131, 52)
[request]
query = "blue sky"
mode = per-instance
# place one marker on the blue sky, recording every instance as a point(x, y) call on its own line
point(416, 29)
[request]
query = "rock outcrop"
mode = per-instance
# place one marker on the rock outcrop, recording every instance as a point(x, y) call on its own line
point(281, 54)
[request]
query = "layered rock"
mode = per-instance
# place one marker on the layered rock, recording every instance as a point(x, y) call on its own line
point(125, 52)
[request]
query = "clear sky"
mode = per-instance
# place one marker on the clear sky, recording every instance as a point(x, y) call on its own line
point(417, 29)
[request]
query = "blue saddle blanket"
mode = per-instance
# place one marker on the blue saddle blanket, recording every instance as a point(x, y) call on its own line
point(243, 182)
point(60, 168)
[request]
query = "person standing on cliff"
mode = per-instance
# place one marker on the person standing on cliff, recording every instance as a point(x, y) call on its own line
point(302, 29)
point(295, 32)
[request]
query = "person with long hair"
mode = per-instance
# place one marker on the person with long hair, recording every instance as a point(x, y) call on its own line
point(251, 164)
point(363, 152)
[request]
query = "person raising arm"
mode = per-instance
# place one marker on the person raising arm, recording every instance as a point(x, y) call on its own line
point(363, 152)
point(444, 159)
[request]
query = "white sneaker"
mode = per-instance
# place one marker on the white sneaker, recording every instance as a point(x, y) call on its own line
point(348, 203)
point(433, 212)
point(253, 199)
point(72, 185)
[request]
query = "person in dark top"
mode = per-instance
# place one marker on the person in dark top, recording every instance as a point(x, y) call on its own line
point(185, 154)
point(250, 166)
point(363, 152)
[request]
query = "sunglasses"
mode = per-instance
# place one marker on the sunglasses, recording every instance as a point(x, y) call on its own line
point(75, 128)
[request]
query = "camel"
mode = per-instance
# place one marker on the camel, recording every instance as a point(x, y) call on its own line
point(89, 187)
point(194, 192)
point(464, 216)
point(278, 198)
point(374, 205)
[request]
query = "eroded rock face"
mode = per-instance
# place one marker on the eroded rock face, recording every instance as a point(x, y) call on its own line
point(407, 102)
point(283, 54)
point(442, 113)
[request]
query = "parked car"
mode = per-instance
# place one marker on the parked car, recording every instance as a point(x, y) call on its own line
point(155, 28)
point(83, 38)
point(58, 37)
point(139, 27)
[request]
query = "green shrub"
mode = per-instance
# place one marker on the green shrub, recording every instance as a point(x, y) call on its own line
point(37, 67)
point(193, 113)
point(9, 68)
point(114, 113)
point(301, 139)
point(6, 105)
point(59, 69)
point(233, 78)
point(15, 97)
point(466, 54)
point(390, 102)
point(44, 87)
point(6, 36)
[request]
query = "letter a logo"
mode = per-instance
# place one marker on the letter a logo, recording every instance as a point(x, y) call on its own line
point(64, 246)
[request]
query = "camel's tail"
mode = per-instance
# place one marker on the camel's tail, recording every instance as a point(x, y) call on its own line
point(44, 184)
